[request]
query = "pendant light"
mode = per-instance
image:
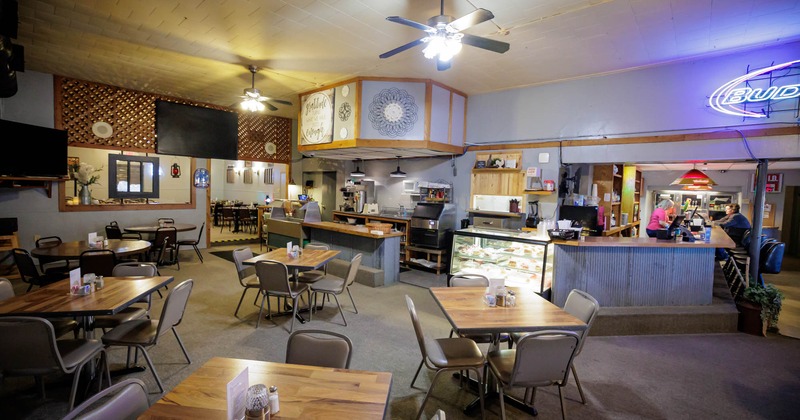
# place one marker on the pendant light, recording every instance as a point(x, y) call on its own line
point(398, 173)
point(357, 173)
point(694, 180)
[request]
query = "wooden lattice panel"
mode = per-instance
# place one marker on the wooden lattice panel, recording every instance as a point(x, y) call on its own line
point(132, 116)
point(257, 130)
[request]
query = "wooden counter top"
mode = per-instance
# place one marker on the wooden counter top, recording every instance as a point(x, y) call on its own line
point(357, 230)
point(373, 216)
point(719, 239)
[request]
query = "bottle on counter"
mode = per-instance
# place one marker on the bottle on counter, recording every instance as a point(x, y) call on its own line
point(274, 405)
point(613, 219)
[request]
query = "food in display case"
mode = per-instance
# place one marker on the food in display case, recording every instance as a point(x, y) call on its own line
point(521, 258)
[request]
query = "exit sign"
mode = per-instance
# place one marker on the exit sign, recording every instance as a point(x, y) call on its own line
point(774, 182)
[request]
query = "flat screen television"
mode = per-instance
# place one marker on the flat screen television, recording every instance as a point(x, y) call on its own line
point(186, 130)
point(33, 151)
point(585, 215)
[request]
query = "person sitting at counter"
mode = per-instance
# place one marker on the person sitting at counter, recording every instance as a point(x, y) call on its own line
point(658, 219)
point(734, 223)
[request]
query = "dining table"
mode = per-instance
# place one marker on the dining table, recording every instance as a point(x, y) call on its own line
point(72, 250)
point(305, 392)
point(151, 229)
point(309, 259)
point(465, 309)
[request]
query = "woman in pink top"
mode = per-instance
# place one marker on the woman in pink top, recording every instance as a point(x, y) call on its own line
point(659, 219)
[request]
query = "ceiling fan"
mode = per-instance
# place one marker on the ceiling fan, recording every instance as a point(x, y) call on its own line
point(444, 37)
point(253, 101)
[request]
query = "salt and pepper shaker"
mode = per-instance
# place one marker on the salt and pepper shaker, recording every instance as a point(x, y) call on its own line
point(257, 403)
point(274, 405)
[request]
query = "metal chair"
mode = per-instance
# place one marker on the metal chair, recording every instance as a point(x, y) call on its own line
point(60, 325)
point(125, 400)
point(274, 279)
point(228, 216)
point(542, 358)
point(113, 231)
point(445, 354)
point(143, 333)
point(585, 307)
point(28, 347)
point(128, 269)
point(247, 274)
point(311, 276)
point(319, 348)
point(193, 243)
point(63, 266)
point(98, 261)
point(331, 285)
point(164, 249)
point(29, 272)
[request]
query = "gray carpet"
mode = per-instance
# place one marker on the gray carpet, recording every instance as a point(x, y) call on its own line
point(730, 376)
point(227, 255)
point(422, 278)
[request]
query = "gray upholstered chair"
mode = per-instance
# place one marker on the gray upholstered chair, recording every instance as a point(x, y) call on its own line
point(319, 348)
point(445, 354)
point(331, 285)
point(61, 326)
point(125, 400)
point(247, 274)
point(28, 347)
point(542, 358)
point(311, 276)
point(143, 333)
point(274, 279)
point(468, 280)
point(585, 307)
point(129, 269)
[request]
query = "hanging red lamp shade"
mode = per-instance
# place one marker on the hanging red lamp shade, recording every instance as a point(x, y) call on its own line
point(694, 178)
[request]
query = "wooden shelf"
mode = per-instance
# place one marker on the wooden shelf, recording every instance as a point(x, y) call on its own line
point(495, 213)
point(495, 170)
point(538, 192)
point(30, 182)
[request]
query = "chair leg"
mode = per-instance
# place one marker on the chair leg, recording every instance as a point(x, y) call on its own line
point(578, 383)
point(311, 305)
point(561, 397)
point(502, 403)
point(340, 309)
point(417, 374)
point(152, 368)
point(180, 343)
point(236, 313)
point(199, 255)
point(295, 302)
point(480, 391)
point(76, 377)
point(428, 394)
point(351, 298)
point(261, 311)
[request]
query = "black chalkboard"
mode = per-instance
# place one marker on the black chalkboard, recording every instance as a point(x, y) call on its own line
point(186, 130)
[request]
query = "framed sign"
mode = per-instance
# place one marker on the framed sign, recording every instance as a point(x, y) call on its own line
point(774, 182)
point(480, 164)
point(316, 118)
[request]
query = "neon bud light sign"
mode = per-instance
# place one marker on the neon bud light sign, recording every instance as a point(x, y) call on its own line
point(727, 98)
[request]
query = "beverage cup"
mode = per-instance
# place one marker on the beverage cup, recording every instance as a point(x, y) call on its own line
point(707, 237)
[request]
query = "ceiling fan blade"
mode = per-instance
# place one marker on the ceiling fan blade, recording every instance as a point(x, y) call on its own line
point(411, 23)
point(278, 101)
point(270, 106)
point(443, 65)
point(485, 43)
point(470, 19)
point(402, 48)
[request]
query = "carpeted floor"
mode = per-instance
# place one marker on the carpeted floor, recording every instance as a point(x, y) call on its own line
point(731, 376)
point(228, 255)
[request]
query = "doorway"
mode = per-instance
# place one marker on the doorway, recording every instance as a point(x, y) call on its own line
point(321, 186)
point(790, 226)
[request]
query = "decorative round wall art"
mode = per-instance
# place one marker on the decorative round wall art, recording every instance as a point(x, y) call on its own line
point(345, 110)
point(393, 112)
point(201, 178)
point(345, 91)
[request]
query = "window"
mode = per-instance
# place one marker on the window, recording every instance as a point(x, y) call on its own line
point(132, 176)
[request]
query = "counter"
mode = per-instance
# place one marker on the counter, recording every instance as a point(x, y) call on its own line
point(620, 271)
point(380, 264)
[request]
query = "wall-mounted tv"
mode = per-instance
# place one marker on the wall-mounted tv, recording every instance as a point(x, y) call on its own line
point(186, 130)
point(33, 151)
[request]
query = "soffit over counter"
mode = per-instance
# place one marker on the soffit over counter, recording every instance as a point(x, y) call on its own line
point(378, 118)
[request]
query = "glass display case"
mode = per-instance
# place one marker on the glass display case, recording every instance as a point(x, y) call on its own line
point(523, 259)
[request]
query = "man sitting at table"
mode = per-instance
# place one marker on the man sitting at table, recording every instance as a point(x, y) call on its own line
point(735, 225)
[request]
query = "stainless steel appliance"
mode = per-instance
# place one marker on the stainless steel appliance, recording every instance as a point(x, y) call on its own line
point(356, 196)
point(432, 225)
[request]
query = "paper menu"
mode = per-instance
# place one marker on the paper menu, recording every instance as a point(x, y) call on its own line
point(75, 280)
point(237, 394)
point(92, 238)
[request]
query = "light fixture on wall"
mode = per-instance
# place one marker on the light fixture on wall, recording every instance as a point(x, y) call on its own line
point(175, 170)
point(694, 180)
point(398, 173)
point(357, 173)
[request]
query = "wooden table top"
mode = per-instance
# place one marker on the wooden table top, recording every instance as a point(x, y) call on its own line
point(72, 250)
point(719, 239)
point(54, 299)
point(357, 230)
point(468, 314)
point(310, 259)
point(305, 392)
point(180, 227)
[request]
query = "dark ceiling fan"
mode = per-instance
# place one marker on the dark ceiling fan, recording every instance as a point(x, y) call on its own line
point(444, 37)
point(252, 99)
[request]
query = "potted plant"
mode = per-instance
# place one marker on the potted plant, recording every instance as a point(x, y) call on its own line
point(765, 300)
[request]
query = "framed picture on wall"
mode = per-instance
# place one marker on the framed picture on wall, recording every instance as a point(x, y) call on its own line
point(316, 118)
point(230, 175)
point(248, 175)
point(73, 163)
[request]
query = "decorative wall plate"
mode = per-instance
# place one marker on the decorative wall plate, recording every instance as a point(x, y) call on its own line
point(345, 91)
point(102, 129)
point(343, 133)
point(393, 112)
point(345, 110)
point(270, 148)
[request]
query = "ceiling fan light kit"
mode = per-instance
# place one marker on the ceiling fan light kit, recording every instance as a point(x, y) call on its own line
point(445, 39)
point(252, 100)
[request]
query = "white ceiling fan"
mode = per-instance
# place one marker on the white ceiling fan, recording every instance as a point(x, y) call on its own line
point(253, 101)
point(444, 37)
